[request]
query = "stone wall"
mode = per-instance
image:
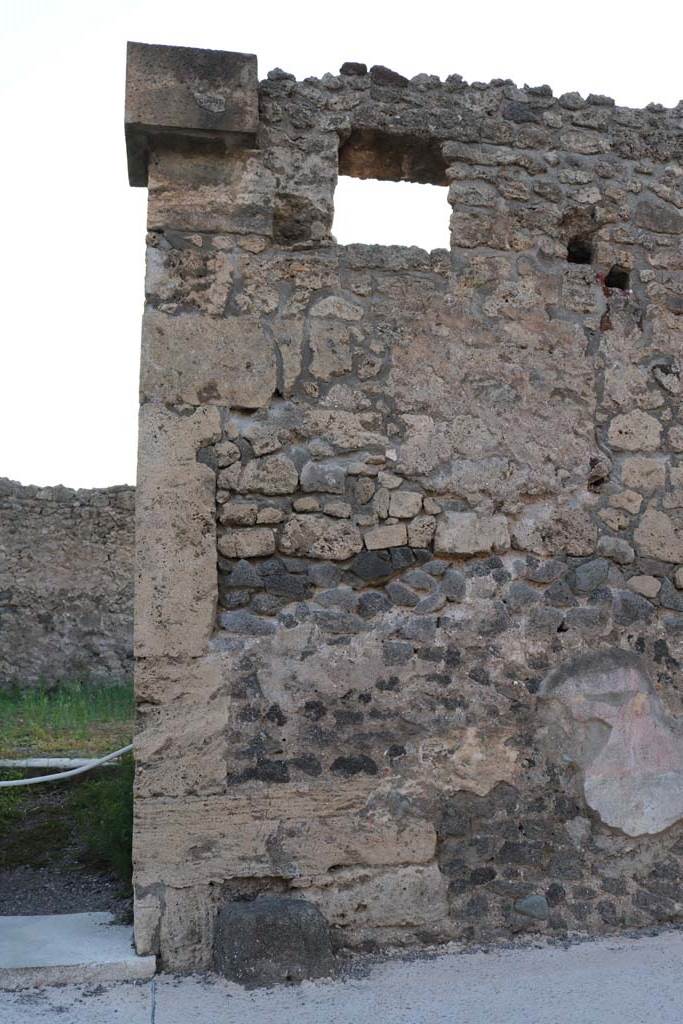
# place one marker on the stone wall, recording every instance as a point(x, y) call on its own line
point(408, 610)
point(66, 584)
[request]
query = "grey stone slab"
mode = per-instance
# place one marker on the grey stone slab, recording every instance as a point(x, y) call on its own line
point(55, 949)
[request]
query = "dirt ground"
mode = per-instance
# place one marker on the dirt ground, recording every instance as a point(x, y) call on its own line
point(45, 867)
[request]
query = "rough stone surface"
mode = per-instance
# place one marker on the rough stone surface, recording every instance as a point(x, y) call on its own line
point(66, 584)
point(272, 940)
point(384, 495)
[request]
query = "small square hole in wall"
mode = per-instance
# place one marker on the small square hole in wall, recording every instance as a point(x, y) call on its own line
point(391, 213)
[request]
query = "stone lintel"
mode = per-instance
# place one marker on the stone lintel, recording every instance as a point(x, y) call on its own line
point(179, 95)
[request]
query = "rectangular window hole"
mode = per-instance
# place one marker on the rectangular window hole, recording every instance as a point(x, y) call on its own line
point(391, 191)
point(391, 213)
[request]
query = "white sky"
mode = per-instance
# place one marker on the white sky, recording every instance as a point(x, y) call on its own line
point(73, 231)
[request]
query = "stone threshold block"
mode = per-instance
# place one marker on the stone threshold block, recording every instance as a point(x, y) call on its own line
point(58, 949)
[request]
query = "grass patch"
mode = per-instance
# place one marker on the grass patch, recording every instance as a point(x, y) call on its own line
point(88, 817)
point(69, 720)
point(103, 811)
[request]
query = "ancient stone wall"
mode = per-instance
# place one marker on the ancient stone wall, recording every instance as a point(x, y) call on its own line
point(66, 584)
point(409, 617)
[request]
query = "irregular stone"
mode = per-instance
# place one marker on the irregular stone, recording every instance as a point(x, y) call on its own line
point(670, 597)
point(421, 531)
point(385, 537)
point(405, 504)
point(306, 505)
point(272, 940)
point(237, 513)
point(658, 217)
point(678, 577)
point(628, 608)
point(332, 349)
point(372, 603)
point(270, 516)
point(620, 551)
point(534, 906)
point(520, 595)
point(454, 585)
point(647, 586)
point(431, 603)
point(273, 474)
point(590, 575)
point(244, 623)
point(320, 537)
point(226, 453)
point(327, 477)
point(659, 536)
point(372, 566)
point(634, 431)
point(389, 480)
point(247, 543)
point(338, 509)
point(402, 595)
point(338, 308)
point(629, 501)
point(469, 533)
point(643, 474)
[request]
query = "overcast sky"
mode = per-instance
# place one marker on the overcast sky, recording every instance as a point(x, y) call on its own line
point(73, 231)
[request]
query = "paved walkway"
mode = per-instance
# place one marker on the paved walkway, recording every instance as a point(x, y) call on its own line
point(612, 981)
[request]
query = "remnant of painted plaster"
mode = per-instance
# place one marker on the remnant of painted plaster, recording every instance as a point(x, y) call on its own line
point(633, 769)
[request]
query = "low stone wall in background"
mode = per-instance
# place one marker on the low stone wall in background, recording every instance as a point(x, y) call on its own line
point(66, 583)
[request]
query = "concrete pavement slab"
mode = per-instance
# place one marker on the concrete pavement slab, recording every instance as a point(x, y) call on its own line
point(611, 981)
point(118, 1003)
point(54, 949)
point(616, 980)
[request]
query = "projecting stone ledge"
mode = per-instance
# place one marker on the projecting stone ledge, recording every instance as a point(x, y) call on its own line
point(179, 93)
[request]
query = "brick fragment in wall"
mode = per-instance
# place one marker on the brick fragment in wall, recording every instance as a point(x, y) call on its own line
point(441, 478)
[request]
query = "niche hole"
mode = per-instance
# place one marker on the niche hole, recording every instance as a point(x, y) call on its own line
point(579, 250)
point(618, 277)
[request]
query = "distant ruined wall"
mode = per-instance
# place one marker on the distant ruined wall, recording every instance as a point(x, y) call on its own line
point(409, 617)
point(66, 584)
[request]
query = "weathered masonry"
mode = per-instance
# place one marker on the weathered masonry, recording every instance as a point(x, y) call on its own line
point(409, 617)
point(66, 584)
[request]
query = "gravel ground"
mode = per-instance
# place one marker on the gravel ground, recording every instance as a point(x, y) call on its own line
point(43, 867)
point(61, 888)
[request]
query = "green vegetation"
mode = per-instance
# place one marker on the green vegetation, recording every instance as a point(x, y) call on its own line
point(90, 814)
point(103, 812)
point(70, 720)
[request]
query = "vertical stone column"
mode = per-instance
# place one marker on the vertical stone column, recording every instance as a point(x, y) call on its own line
point(191, 121)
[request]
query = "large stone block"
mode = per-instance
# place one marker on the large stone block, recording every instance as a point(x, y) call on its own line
point(470, 533)
point(176, 580)
point(283, 831)
point(210, 192)
point(199, 360)
point(176, 92)
point(272, 939)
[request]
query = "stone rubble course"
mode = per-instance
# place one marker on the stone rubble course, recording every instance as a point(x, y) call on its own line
point(386, 495)
point(66, 584)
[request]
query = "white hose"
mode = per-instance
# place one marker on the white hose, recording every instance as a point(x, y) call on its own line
point(65, 775)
